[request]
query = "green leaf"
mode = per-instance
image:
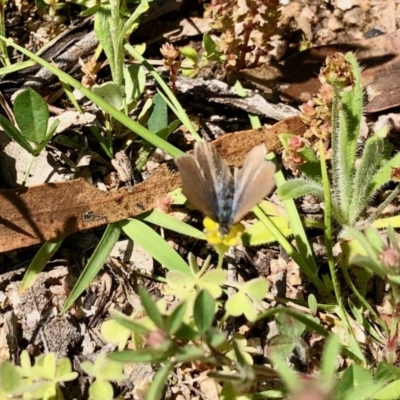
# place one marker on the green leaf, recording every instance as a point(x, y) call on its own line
point(243, 301)
point(102, 141)
point(371, 157)
point(159, 115)
point(240, 304)
point(312, 304)
point(174, 321)
point(386, 372)
point(352, 103)
point(186, 333)
point(191, 54)
point(48, 137)
point(19, 66)
point(155, 245)
point(281, 344)
point(113, 332)
point(256, 288)
point(135, 82)
point(39, 262)
point(9, 377)
point(64, 370)
point(169, 97)
point(212, 281)
point(129, 323)
point(156, 390)
point(15, 134)
point(96, 262)
point(102, 30)
point(32, 115)
point(203, 311)
point(110, 92)
point(119, 116)
point(384, 174)
point(188, 354)
point(131, 23)
point(290, 377)
point(212, 52)
point(353, 377)
point(101, 390)
point(257, 234)
point(289, 326)
point(169, 222)
point(306, 259)
point(111, 370)
point(151, 309)
point(300, 187)
point(45, 366)
point(362, 240)
point(145, 355)
point(329, 356)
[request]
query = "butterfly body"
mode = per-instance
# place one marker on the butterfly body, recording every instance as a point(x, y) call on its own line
point(210, 186)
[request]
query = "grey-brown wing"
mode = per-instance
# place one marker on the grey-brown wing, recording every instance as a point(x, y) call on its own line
point(194, 186)
point(217, 173)
point(252, 182)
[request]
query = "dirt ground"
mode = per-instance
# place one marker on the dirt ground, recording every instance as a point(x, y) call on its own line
point(32, 321)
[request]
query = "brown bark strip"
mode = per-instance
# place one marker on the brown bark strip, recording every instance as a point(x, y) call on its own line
point(32, 215)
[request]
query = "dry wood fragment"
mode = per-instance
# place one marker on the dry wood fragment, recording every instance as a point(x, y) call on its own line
point(39, 213)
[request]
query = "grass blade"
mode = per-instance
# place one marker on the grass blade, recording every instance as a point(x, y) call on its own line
point(95, 263)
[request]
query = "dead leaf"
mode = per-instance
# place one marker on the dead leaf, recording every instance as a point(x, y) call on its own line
point(49, 211)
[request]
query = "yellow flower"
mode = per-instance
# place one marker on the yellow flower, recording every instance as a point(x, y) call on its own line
point(220, 241)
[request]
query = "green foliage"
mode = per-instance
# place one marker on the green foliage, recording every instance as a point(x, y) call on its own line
point(95, 263)
point(38, 263)
point(117, 115)
point(172, 340)
point(110, 92)
point(193, 64)
point(354, 183)
point(104, 371)
point(39, 381)
point(355, 383)
point(289, 337)
point(186, 285)
point(247, 298)
point(154, 244)
point(112, 30)
point(32, 116)
point(381, 258)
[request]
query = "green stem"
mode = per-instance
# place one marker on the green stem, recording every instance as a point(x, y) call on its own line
point(3, 46)
point(289, 249)
point(383, 205)
point(173, 102)
point(254, 119)
point(361, 298)
point(116, 114)
point(28, 171)
point(329, 249)
point(220, 260)
point(328, 225)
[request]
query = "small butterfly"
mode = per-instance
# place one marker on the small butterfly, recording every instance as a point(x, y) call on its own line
point(209, 185)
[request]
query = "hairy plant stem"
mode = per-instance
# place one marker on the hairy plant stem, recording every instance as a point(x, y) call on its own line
point(329, 250)
point(383, 205)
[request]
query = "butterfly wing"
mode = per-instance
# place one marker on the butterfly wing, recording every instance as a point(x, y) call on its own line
point(252, 182)
point(194, 186)
point(204, 176)
point(215, 170)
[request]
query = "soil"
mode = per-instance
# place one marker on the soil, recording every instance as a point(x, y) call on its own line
point(32, 320)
